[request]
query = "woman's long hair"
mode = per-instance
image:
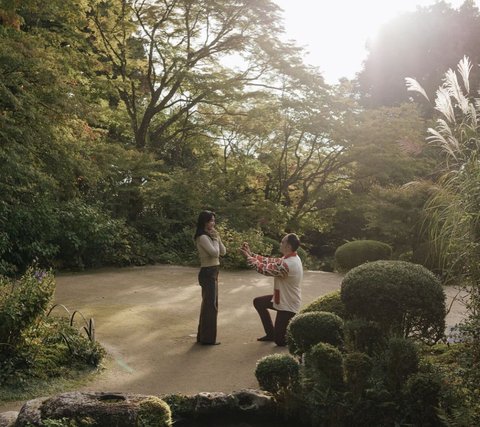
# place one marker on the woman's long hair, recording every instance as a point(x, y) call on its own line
point(203, 218)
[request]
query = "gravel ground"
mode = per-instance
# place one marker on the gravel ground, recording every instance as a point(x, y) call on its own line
point(146, 318)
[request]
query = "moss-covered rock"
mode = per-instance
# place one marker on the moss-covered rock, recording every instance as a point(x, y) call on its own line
point(154, 412)
point(96, 409)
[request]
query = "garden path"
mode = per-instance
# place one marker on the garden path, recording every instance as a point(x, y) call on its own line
point(146, 318)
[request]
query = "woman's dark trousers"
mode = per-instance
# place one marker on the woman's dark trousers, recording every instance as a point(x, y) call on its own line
point(207, 325)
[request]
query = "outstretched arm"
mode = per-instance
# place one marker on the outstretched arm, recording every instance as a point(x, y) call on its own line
point(265, 265)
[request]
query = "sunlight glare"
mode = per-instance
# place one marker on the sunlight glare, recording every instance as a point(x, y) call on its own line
point(335, 33)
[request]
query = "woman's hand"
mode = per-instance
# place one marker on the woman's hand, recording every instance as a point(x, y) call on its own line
point(214, 234)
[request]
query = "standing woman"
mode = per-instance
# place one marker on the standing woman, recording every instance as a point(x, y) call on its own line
point(210, 247)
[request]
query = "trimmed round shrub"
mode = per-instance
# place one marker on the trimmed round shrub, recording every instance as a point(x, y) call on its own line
point(331, 303)
point(358, 367)
point(324, 366)
point(307, 329)
point(403, 298)
point(353, 254)
point(277, 372)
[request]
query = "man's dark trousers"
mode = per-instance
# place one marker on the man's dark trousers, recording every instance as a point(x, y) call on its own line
point(278, 332)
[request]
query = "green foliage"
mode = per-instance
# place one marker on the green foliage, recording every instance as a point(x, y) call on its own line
point(427, 254)
point(467, 376)
point(324, 366)
point(353, 254)
point(452, 213)
point(52, 349)
point(98, 169)
point(307, 329)
point(422, 398)
point(31, 345)
point(453, 366)
point(274, 244)
point(91, 238)
point(357, 367)
point(394, 213)
point(331, 303)
point(322, 386)
point(364, 336)
point(399, 360)
point(277, 372)
point(22, 303)
point(233, 241)
point(402, 297)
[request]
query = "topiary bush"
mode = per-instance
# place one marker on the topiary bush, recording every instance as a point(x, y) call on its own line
point(307, 329)
point(353, 254)
point(331, 303)
point(402, 297)
point(277, 372)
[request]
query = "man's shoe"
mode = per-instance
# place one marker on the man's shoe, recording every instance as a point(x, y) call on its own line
point(265, 338)
point(211, 343)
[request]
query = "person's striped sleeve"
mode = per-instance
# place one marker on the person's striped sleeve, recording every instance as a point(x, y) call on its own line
point(268, 266)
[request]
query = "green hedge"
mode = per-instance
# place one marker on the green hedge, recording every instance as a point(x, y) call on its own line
point(353, 254)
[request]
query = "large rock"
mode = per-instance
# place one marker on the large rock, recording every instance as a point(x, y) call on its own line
point(126, 410)
point(218, 408)
point(100, 409)
point(7, 419)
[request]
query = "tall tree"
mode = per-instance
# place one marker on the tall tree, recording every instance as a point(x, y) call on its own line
point(293, 133)
point(166, 58)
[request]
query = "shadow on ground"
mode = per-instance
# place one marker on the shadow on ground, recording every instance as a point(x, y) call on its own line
point(146, 318)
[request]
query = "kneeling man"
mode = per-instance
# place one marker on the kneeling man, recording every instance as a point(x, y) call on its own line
point(286, 298)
